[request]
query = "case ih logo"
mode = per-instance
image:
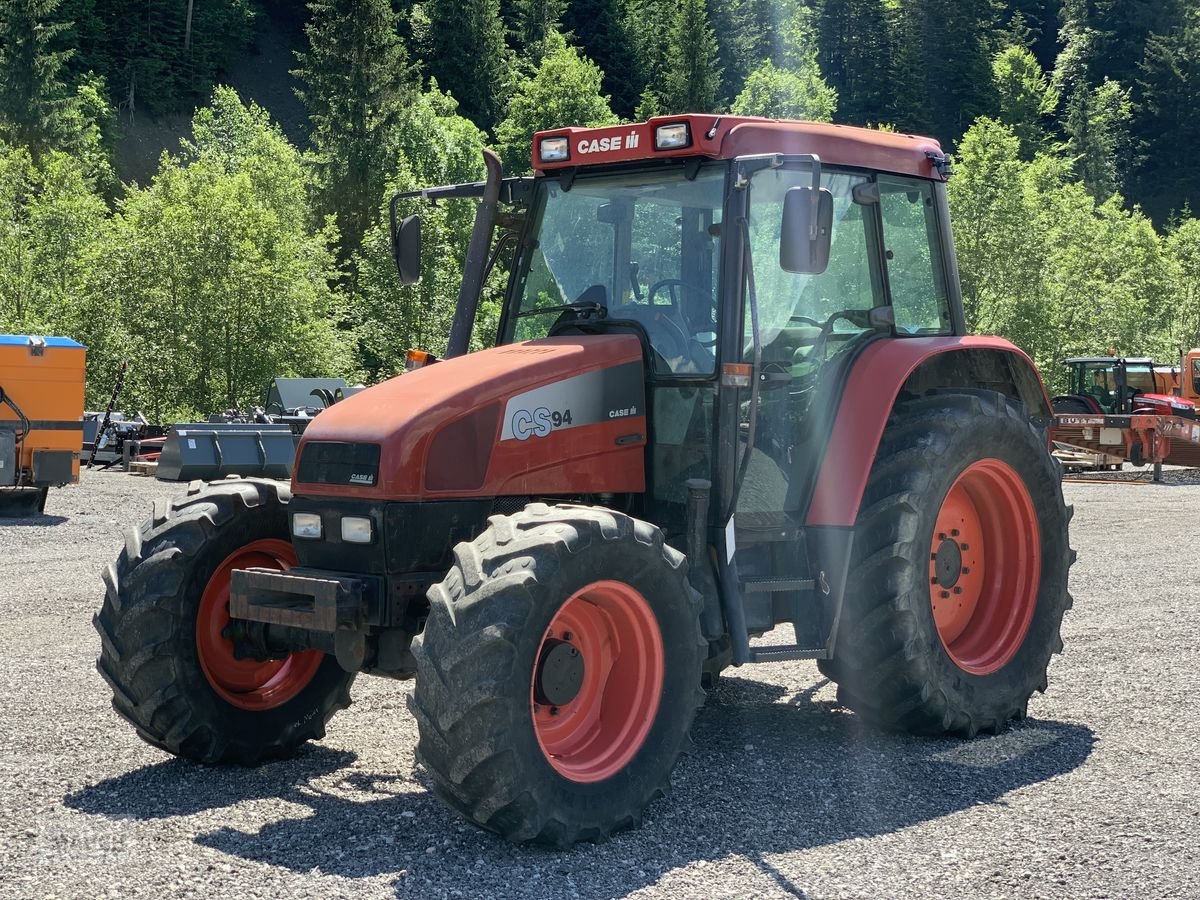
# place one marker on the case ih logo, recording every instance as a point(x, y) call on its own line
point(603, 145)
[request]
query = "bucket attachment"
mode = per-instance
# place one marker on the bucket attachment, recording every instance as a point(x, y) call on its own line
point(216, 450)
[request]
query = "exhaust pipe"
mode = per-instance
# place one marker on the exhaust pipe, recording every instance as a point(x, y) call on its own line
point(475, 266)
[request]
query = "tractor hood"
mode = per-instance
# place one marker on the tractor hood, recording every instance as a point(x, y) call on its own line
point(555, 416)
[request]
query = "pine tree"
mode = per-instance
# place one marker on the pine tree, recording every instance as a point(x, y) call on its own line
point(596, 26)
point(1167, 123)
point(855, 52)
point(1026, 98)
point(564, 90)
point(34, 103)
point(942, 65)
point(692, 79)
point(468, 55)
point(536, 20)
point(356, 83)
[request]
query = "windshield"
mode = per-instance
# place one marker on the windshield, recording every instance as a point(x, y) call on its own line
point(643, 247)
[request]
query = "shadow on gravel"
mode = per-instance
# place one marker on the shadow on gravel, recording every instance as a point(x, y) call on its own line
point(41, 521)
point(771, 774)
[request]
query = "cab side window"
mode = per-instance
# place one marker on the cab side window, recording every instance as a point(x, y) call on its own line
point(913, 256)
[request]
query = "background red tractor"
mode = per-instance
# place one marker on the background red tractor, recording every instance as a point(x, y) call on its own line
point(731, 389)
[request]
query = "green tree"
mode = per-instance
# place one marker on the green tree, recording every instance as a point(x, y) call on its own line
point(1166, 123)
point(34, 101)
point(564, 90)
point(942, 65)
point(52, 222)
point(1000, 263)
point(783, 94)
point(356, 83)
point(747, 33)
point(1183, 244)
point(855, 50)
point(795, 88)
point(158, 57)
point(1097, 127)
point(537, 21)
point(438, 146)
point(1026, 98)
point(692, 78)
point(597, 26)
point(219, 281)
point(468, 56)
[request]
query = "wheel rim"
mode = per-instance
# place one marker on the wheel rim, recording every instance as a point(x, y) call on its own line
point(597, 681)
point(247, 683)
point(985, 566)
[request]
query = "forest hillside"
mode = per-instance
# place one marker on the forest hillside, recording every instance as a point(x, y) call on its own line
point(198, 187)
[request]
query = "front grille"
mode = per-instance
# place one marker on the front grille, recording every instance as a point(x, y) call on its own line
point(338, 462)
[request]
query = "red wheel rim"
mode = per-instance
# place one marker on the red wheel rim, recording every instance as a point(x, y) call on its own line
point(984, 566)
point(611, 630)
point(247, 683)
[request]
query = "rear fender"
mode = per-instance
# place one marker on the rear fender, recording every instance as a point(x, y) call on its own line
point(910, 366)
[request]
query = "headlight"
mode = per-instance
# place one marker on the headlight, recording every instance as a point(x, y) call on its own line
point(306, 525)
point(356, 529)
point(672, 137)
point(554, 149)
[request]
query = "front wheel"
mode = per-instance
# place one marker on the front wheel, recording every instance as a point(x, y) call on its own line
point(959, 572)
point(166, 645)
point(558, 673)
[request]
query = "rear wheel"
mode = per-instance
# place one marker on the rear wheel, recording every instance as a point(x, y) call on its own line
point(165, 641)
point(558, 673)
point(959, 576)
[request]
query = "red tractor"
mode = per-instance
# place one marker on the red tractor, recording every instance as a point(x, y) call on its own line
point(731, 389)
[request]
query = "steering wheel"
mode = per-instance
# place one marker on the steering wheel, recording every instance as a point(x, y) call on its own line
point(805, 320)
point(700, 292)
point(816, 350)
point(670, 341)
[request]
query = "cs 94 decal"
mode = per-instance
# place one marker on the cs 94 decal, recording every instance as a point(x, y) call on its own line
point(539, 422)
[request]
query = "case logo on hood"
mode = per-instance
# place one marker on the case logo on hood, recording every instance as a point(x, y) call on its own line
point(586, 399)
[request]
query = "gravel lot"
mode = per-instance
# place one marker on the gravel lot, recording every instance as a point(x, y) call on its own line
point(786, 795)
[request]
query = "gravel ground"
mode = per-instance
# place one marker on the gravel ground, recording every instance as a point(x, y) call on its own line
point(786, 795)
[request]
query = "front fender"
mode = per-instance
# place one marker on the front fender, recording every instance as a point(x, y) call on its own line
point(884, 369)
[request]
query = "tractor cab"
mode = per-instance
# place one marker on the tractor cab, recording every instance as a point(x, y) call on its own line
point(1121, 386)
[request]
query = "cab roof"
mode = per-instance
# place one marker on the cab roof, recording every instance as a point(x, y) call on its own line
point(726, 137)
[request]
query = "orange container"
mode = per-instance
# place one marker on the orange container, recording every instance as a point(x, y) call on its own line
point(43, 378)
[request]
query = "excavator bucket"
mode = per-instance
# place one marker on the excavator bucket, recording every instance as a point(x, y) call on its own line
point(215, 450)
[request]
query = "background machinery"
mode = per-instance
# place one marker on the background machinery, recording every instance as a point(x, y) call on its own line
point(41, 418)
point(1129, 408)
point(731, 391)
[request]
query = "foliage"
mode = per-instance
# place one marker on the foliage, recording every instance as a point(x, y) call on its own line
point(564, 90)
point(1025, 98)
point(468, 55)
point(781, 94)
point(34, 102)
point(158, 57)
point(795, 91)
point(356, 83)
point(219, 283)
point(1046, 266)
point(438, 146)
point(1098, 136)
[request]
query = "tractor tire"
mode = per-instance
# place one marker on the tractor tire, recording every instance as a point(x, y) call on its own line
point(958, 580)
point(173, 673)
point(558, 674)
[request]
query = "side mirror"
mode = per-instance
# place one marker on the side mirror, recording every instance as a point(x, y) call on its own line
point(406, 246)
point(807, 231)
